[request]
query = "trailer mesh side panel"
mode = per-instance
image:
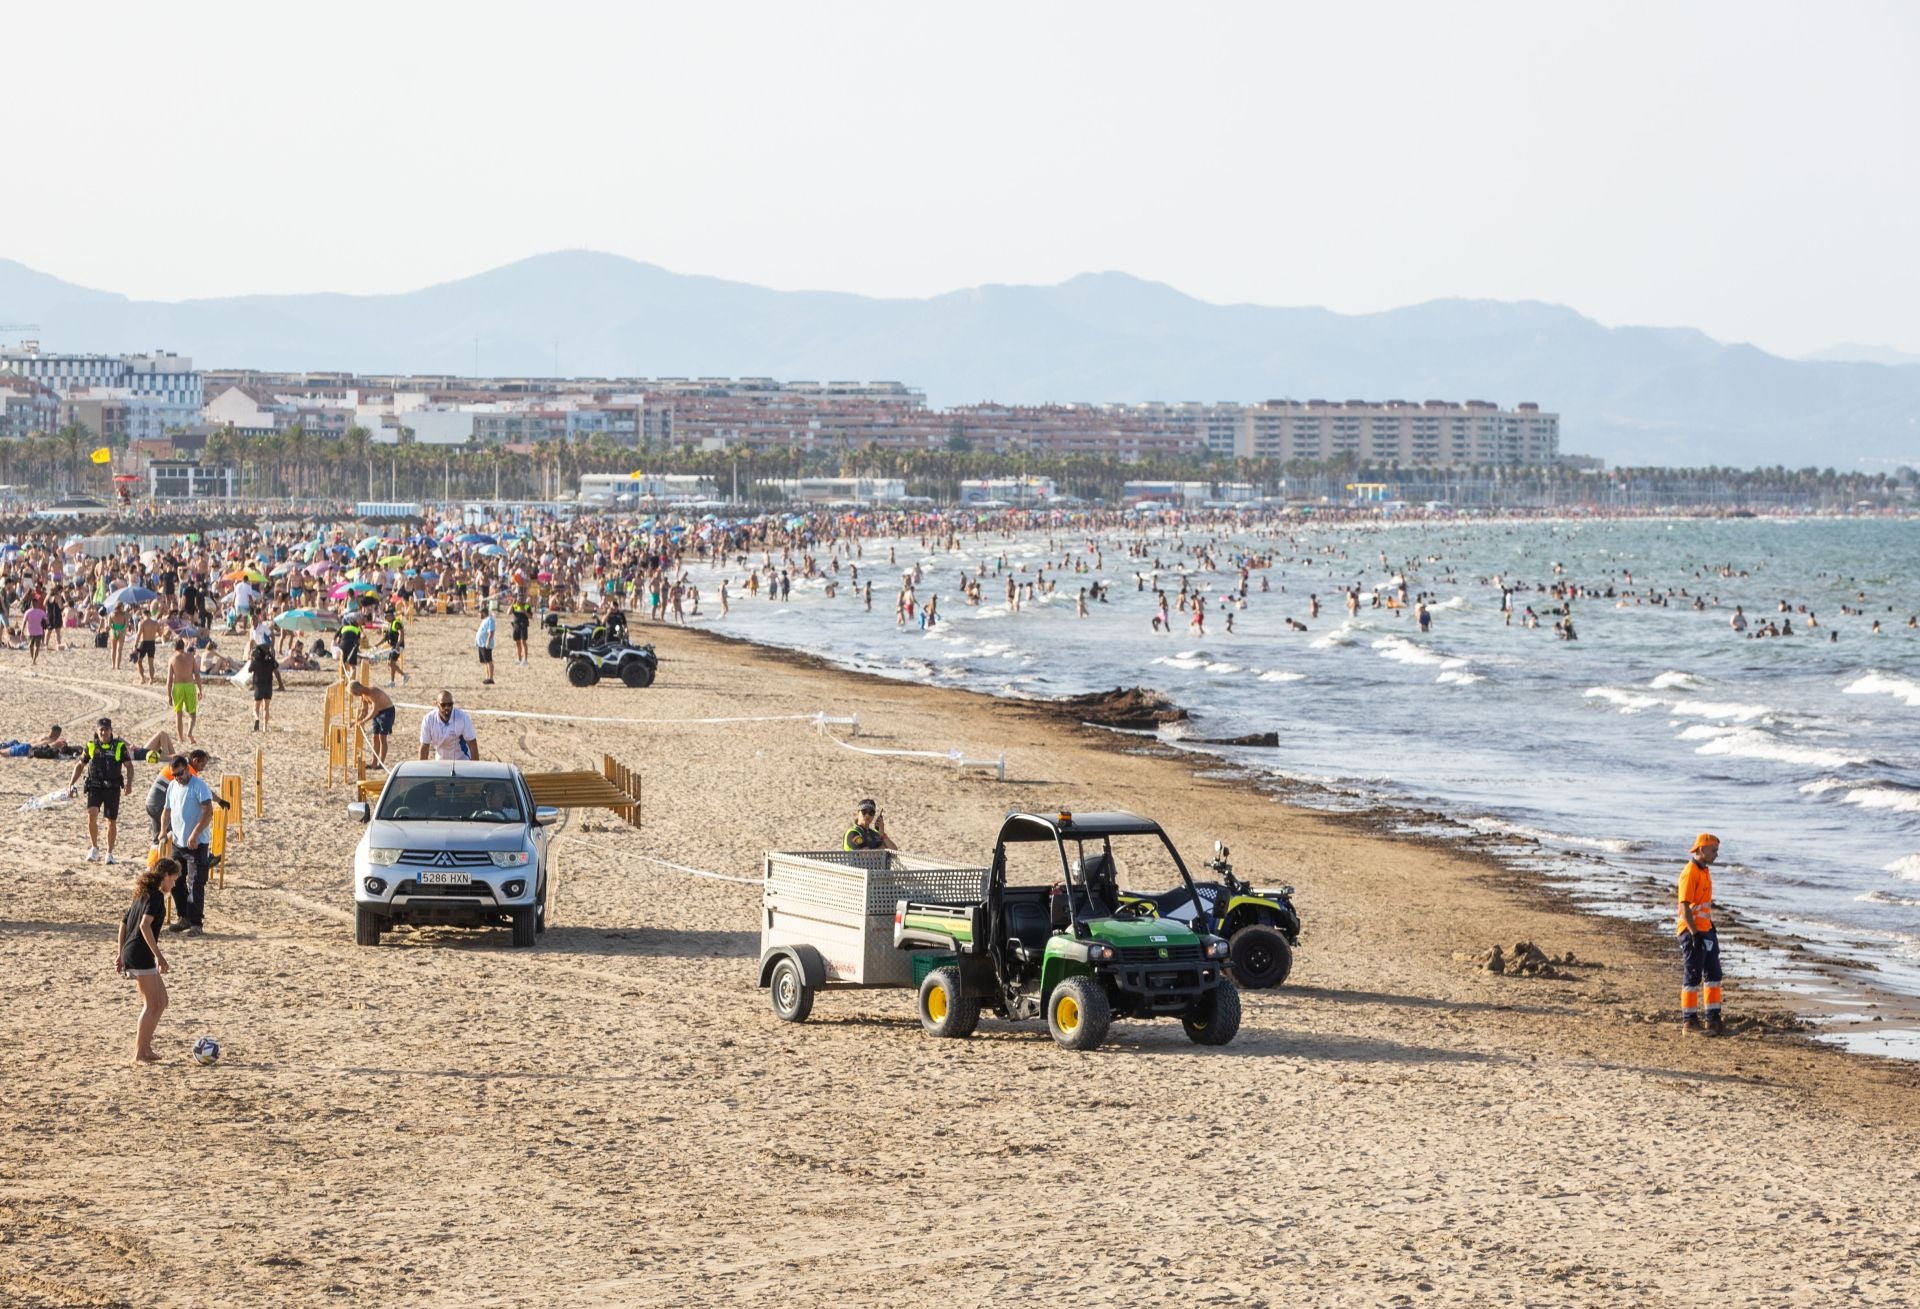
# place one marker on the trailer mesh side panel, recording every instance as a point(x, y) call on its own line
point(870, 881)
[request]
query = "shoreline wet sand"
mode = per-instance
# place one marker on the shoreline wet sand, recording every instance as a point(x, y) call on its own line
point(615, 1117)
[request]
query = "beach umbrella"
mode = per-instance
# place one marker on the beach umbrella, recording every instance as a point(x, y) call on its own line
point(492, 551)
point(474, 538)
point(322, 568)
point(132, 595)
point(390, 560)
point(361, 586)
point(302, 620)
point(281, 570)
point(368, 543)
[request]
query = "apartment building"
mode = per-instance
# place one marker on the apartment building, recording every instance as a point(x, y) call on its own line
point(1430, 434)
point(26, 408)
point(158, 391)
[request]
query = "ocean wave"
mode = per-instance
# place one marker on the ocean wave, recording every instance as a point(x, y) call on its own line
point(1612, 845)
point(1341, 635)
point(1279, 675)
point(1710, 732)
point(1905, 689)
point(1454, 677)
point(1630, 702)
point(1223, 669)
point(1906, 866)
point(1822, 786)
point(1752, 743)
point(1888, 897)
point(1452, 602)
point(1188, 662)
point(1401, 650)
point(1744, 713)
point(1897, 798)
point(1675, 681)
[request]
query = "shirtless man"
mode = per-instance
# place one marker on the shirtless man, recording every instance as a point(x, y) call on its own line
point(146, 642)
point(183, 691)
point(376, 712)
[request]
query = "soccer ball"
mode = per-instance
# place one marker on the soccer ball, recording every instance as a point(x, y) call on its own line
point(206, 1052)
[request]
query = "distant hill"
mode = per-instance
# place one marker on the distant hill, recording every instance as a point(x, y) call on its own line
point(1853, 352)
point(1631, 394)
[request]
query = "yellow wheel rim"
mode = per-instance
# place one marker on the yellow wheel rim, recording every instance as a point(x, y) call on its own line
point(937, 1003)
point(1066, 1012)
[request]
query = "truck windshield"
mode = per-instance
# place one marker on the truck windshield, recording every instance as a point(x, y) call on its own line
point(452, 800)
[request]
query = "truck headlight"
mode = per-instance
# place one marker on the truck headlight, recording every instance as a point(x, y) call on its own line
point(1099, 954)
point(380, 858)
point(1216, 949)
point(508, 858)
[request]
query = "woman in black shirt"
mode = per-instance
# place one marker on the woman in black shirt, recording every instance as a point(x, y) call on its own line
point(261, 666)
point(137, 953)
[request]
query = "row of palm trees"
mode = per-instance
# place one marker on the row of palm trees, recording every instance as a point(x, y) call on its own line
point(296, 464)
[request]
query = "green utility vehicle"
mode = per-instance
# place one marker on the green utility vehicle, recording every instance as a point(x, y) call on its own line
point(1063, 949)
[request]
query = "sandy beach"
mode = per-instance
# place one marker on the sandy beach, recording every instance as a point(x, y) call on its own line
point(616, 1117)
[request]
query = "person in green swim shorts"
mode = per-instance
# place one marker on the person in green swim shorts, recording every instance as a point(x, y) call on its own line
point(183, 691)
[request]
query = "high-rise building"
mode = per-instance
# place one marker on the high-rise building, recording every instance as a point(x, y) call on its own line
point(153, 393)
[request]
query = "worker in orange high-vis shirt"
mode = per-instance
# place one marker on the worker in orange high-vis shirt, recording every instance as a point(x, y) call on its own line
point(1699, 943)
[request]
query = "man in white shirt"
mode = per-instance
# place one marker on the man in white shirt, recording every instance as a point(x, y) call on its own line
point(483, 642)
point(447, 733)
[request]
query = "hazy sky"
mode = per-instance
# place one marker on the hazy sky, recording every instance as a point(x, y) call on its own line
point(1746, 168)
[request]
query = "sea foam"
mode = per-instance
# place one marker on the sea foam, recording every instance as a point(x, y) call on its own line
point(1904, 689)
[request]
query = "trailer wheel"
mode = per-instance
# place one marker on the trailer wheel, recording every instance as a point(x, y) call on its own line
point(1078, 1014)
point(792, 998)
point(581, 672)
point(1214, 1018)
point(1260, 957)
point(945, 1009)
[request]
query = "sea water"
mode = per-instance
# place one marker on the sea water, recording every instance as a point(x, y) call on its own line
point(1595, 761)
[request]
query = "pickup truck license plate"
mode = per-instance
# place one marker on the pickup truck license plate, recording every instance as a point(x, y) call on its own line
point(443, 877)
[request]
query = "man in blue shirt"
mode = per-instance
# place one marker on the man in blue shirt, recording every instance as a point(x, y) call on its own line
point(483, 642)
point(188, 819)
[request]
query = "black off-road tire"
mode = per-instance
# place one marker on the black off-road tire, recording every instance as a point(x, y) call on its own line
point(557, 645)
point(1259, 957)
point(787, 988)
point(1086, 1026)
point(1214, 1018)
point(366, 925)
point(946, 1010)
point(525, 929)
point(581, 672)
point(637, 674)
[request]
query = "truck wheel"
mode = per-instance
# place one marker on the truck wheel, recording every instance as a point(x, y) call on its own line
point(1078, 1014)
point(1259, 957)
point(1214, 1018)
point(524, 928)
point(581, 672)
point(366, 925)
point(792, 1000)
point(946, 1010)
point(636, 674)
point(556, 645)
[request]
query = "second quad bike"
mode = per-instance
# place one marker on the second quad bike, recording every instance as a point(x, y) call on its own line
point(1262, 927)
point(1064, 951)
point(564, 639)
point(634, 665)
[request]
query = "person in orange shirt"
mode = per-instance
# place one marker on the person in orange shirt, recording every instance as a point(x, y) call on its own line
point(1699, 943)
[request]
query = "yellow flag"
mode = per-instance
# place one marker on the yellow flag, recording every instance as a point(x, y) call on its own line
point(103, 456)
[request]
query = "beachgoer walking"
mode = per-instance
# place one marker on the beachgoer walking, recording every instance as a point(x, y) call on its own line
point(137, 953)
point(522, 614)
point(447, 732)
point(146, 647)
point(483, 643)
point(188, 820)
point(261, 667)
point(869, 830)
point(107, 762)
point(183, 690)
point(1699, 941)
point(377, 714)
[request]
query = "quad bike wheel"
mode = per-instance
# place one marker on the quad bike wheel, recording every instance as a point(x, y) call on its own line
point(581, 672)
point(1259, 957)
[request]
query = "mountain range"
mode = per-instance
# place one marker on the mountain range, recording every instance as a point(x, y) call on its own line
point(1634, 395)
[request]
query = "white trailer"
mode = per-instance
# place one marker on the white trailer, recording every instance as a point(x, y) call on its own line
point(826, 920)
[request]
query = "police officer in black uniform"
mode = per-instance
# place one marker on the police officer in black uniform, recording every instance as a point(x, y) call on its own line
point(522, 613)
point(869, 830)
point(395, 635)
point(350, 634)
point(108, 764)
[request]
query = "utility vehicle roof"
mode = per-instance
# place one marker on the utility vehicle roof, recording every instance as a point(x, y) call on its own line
point(1085, 826)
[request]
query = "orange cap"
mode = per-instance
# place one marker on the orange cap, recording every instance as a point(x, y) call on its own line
point(1706, 839)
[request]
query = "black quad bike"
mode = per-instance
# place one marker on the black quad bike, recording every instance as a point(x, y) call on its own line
point(634, 665)
point(1262, 927)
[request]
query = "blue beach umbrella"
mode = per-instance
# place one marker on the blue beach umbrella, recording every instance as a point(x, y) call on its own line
point(132, 595)
point(301, 620)
point(493, 551)
point(475, 538)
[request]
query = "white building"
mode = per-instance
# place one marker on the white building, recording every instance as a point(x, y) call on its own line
point(612, 488)
point(161, 391)
point(829, 490)
point(1008, 490)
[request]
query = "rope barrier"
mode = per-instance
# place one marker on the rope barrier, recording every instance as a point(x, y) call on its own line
point(816, 718)
point(954, 757)
point(694, 872)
